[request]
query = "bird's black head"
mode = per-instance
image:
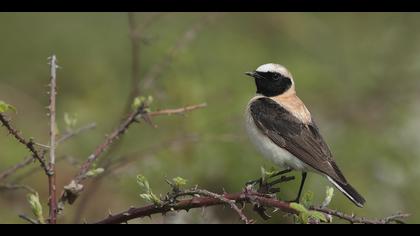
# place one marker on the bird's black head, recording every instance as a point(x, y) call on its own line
point(271, 79)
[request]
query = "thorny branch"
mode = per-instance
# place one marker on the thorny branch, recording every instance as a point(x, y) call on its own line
point(222, 199)
point(52, 198)
point(203, 198)
point(362, 220)
point(29, 144)
point(73, 189)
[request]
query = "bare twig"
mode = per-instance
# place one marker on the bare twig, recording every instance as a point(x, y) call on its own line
point(16, 187)
point(6, 173)
point(28, 219)
point(362, 220)
point(30, 145)
point(28, 160)
point(177, 111)
point(76, 132)
point(52, 198)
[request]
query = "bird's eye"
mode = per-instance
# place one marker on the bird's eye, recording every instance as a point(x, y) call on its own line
point(276, 77)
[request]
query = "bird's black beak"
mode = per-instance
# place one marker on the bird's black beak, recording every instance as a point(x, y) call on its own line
point(252, 74)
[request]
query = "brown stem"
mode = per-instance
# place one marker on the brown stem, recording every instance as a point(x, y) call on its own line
point(52, 191)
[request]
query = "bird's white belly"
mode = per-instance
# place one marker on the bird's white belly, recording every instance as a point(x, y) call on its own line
point(270, 150)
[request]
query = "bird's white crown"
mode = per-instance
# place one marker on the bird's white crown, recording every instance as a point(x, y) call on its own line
point(272, 67)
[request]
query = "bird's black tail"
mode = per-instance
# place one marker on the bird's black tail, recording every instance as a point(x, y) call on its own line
point(349, 191)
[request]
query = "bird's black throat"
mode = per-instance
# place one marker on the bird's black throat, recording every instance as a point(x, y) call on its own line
point(271, 84)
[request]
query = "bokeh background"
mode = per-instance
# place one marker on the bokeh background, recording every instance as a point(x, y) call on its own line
point(356, 72)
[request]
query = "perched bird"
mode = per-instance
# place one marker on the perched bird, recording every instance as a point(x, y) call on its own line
point(282, 128)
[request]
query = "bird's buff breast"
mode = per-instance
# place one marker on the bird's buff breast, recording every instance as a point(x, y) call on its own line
point(269, 149)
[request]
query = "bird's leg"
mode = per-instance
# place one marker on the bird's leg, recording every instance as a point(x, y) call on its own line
point(302, 182)
point(282, 172)
point(260, 180)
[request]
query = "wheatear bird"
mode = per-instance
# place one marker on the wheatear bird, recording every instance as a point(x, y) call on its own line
point(282, 128)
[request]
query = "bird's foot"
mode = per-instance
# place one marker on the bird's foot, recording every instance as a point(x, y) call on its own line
point(269, 187)
point(261, 180)
point(266, 187)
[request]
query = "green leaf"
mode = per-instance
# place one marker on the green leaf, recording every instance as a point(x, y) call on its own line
point(318, 216)
point(137, 102)
point(329, 196)
point(266, 174)
point(298, 207)
point(143, 183)
point(304, 217)
point(33, 199)
point(147, 194)
point(149, 100)
point(70, 120)
point(303, 213)
point(307, 199)
point(179, 182)
point(155, 199)
point(4, 107)
point(146, 197)
point(95, 172)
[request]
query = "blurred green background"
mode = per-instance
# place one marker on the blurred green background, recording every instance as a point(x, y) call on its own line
point(356, 72)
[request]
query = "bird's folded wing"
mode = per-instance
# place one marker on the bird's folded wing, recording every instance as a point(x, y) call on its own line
point(302, 140)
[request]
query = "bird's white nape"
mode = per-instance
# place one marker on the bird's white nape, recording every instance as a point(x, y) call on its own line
point(272, 67)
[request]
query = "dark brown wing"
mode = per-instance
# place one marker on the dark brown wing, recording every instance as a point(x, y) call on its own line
point(302, 140)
